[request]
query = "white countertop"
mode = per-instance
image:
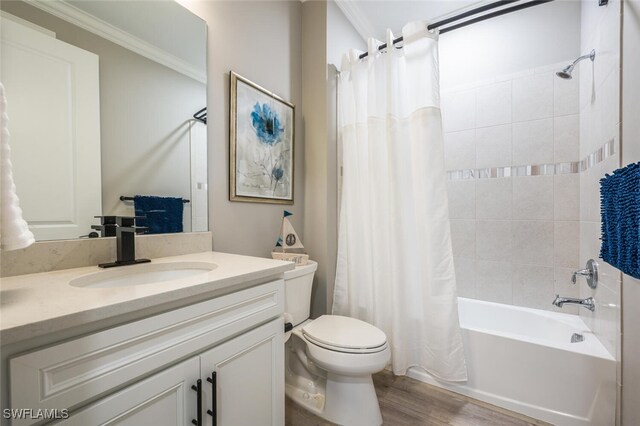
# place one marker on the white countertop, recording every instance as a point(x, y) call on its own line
point(37, 304)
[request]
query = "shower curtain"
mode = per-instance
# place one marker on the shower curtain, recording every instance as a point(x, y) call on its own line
point(395, 263)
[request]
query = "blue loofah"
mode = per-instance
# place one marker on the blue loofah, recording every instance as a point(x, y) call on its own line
point(620, 210)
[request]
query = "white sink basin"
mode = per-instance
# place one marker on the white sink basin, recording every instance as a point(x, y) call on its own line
point(147, 273)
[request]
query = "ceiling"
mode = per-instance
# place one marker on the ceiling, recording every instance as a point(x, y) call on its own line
point(373, 17)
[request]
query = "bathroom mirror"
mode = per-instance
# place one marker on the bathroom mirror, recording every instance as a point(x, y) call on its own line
point(101, 97)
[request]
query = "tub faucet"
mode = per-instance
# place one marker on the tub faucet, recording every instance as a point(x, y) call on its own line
point(588, 303)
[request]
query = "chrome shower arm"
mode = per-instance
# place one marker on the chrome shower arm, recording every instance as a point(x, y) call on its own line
point(591, 55)
point(566, 71)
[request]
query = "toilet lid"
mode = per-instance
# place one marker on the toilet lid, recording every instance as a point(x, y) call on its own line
point(344, 333)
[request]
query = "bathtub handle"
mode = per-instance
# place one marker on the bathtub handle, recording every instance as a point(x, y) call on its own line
point(590, 272)
point(581, 272)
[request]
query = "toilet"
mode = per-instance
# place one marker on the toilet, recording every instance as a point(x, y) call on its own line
point(330, 360)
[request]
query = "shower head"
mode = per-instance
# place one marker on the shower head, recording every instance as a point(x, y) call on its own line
point(566, 72)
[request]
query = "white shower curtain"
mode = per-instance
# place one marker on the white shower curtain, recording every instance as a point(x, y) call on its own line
point(395, 264)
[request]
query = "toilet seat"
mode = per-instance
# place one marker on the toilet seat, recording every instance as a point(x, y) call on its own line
point(348, 363)
point(344, 334)
point(345, 350)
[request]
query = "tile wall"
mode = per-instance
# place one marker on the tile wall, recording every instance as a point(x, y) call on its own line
point(515, 239)
point(600, 121)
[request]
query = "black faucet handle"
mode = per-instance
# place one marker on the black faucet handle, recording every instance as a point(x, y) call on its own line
point(105, 226)
point(128, 220)
point(107, 220)
point(106, 229)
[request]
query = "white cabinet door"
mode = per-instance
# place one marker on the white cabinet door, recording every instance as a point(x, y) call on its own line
point(249, 378)
point(165, 399)
point(53, 103)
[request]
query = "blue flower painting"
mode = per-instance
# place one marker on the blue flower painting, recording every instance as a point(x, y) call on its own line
point(261, 144)
point(266, 124)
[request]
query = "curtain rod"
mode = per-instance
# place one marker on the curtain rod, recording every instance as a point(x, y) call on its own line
point(469, 13)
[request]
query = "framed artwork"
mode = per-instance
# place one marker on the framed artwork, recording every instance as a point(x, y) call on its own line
point(261, 139)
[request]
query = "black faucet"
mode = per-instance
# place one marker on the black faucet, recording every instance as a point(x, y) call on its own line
point(125, 242)
point(107, 226)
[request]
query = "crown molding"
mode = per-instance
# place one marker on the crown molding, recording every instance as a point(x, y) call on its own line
point(360, 23)
point(84, 20)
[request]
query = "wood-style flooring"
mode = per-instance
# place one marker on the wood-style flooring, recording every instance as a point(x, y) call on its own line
point(408, 402)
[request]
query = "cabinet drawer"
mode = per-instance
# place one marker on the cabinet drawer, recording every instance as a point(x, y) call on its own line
point(69, 374)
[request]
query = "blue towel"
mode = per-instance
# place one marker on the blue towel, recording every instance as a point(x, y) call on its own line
point(620, 209)
point(163, 215)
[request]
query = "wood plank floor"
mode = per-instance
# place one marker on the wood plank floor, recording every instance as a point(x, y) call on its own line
point(408, 402)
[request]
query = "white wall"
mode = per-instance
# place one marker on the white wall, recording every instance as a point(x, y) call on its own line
point(327, 34)
point(260, 40)
point(314, 85)
point(272, 34)
point(630, 154)
point(543, 34)
point(341, 35)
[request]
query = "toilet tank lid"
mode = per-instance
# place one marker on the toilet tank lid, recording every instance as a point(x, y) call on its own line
point(344, 332)
point(299, 271)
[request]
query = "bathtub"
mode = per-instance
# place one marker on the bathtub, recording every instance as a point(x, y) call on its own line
point(523, 360)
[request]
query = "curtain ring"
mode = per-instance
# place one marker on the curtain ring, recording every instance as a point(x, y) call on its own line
point(390, 39)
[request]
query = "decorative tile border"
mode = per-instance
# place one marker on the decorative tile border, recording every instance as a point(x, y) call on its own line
point(605, 151)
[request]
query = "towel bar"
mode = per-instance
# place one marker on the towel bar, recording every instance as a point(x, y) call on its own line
point(124, 198)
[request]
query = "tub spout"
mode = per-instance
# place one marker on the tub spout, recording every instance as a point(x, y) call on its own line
point(588, 303)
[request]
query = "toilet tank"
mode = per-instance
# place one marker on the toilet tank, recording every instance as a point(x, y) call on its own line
point(297, 290)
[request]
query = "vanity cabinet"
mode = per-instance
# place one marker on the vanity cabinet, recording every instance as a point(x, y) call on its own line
point(142, 372)
point(247, 373)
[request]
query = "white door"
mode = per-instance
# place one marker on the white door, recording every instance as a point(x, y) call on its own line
point(249, 378)
point(165, 399)
point(53, 103)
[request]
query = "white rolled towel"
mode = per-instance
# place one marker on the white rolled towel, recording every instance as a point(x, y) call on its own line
point(14, 231)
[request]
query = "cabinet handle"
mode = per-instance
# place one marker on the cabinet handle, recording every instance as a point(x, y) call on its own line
point(288, 327)
point(214, 400)
point(198, 388)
